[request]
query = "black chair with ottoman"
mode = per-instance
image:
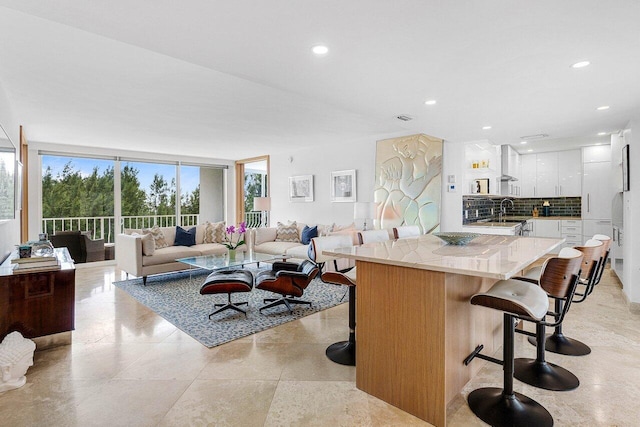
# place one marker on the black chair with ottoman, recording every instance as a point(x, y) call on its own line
point(287, 279)
point(228, 282)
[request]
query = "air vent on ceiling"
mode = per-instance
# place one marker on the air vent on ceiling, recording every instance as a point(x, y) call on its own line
point(404, 117)
point(536, 136)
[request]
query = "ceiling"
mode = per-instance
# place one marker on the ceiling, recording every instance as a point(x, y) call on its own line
point(235, 79)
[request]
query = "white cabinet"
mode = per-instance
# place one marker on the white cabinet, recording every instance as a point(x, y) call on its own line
point(596, 194)
point(547, 228)
point(569, 173)
point(528, 175)
point(596, 153)
point(571, 232)
point(596, 226)
point(547, 175)
point(554, 174)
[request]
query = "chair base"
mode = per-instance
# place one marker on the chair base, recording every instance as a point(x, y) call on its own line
point(229, 306)
point(560, 344)
point(343, 352)
point(493, 407)
point(285, 300)
point(544, 375)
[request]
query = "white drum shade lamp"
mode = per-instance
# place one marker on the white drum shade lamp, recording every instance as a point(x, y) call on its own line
point(262, 204)
point(364, 211)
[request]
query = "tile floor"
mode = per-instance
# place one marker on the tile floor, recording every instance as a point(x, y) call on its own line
point(129, 367)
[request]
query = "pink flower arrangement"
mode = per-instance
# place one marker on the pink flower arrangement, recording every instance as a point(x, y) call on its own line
point(231, 230)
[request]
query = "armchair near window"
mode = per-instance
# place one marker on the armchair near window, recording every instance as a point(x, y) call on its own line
point(81, 248)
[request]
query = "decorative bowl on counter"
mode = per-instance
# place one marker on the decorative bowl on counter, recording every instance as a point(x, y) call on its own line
point(456, 238)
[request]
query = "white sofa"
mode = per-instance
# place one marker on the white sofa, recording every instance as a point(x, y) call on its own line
point(131, 259)
point(263, 240)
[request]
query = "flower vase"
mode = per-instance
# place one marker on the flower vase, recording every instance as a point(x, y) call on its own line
point(232, 254)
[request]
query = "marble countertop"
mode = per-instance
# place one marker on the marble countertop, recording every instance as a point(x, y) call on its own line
point(497, 257)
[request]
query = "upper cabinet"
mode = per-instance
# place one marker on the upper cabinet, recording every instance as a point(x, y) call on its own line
point(554, 174)
point(598, 192)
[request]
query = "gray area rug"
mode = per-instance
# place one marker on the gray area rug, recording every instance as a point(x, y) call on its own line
point(176, 297)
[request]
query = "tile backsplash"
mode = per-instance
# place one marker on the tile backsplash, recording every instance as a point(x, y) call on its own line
point(483, 205)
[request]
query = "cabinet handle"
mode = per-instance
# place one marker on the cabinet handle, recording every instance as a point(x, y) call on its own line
point(588, 203)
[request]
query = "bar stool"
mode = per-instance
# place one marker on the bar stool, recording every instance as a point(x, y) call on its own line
point(503, 406)
point(606, 248)
point(406, 231)
point(372, 236)
point(558, 279)
point(342, 352)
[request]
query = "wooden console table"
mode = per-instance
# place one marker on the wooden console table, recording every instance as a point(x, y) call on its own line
point(38, 304)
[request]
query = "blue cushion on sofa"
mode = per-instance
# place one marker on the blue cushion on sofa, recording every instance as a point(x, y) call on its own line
point(185, 237)
point(309, 233)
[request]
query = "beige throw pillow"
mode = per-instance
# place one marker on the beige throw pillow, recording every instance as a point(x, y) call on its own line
point(158, 237)
point(214, 232)
point(148, 244)
point(287, 233)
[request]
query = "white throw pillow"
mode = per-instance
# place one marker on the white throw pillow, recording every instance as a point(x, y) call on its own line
point(148, 244)
point(158, 237)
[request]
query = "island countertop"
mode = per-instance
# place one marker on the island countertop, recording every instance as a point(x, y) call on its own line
point(490, 256)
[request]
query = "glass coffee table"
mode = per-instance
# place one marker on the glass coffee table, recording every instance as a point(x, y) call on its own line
point(222, 262)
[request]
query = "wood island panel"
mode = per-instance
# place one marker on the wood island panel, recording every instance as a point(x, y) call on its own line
point(414, 329)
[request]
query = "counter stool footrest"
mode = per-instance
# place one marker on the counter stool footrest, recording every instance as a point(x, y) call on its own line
point(476, 353)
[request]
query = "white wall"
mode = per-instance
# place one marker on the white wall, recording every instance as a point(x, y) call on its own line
point(10, 229)
point(359, 155)
point(453, 164)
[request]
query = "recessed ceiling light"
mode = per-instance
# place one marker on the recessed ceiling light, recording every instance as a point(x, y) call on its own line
point(523, 142)
point(530, 150)
point(486, 127)
point(320, 50)
point(581, 64)
point(604, 107)
point(601, 133)
point(430, 102)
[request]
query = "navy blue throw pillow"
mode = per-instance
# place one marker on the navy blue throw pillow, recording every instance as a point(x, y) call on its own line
point(309, 233)
point(184, 237)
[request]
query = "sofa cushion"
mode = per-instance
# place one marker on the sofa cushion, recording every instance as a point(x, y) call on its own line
point(275, 248)
point(308, 233)
point(263, 234)
point(211, 249)
point(185, 237)
point(170, 254)
point(158, 236)
point(214, 232)
point(133, 231)
point(287, 233)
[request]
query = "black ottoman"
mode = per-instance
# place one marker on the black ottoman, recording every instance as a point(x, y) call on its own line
point(227, 282)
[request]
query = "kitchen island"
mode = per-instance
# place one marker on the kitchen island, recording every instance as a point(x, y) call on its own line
point(414, 323)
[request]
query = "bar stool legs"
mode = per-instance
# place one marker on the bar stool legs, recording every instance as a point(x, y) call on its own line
point(344, 352)
point(561, 344)
point(504, 407)
point(540, 373)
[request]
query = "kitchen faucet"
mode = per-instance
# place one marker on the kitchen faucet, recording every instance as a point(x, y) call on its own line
point(504, 209)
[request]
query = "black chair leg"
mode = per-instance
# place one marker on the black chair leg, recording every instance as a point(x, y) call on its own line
point(540, 373)
point(344, 352)
point(285, 300)
point(229, 306)
point(561, 344)
point(502, 406)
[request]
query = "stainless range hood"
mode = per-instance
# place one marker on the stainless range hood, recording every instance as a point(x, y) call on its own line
point(509, 160)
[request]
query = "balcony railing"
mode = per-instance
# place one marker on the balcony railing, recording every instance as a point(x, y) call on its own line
point(255, 219)
point(103, 227)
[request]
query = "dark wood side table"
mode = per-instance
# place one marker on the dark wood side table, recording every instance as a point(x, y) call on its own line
point(39, 305)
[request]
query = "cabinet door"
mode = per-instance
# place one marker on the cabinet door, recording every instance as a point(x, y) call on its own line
point(547, 174)
point(596, 191)
point(547, 228)
point(591, 227)
point(570, 173)
point(527, 181)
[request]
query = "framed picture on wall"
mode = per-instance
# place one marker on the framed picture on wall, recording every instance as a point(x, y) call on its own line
point(625, 168)
point(343, 186)
point(301, 188)
point(481, 186)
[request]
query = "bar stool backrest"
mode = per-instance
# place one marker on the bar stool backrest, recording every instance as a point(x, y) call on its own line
point(559, 274)
point(327, 243)
point(606, 241)
point(372, 236)
point(593, 250)
point(406, 231)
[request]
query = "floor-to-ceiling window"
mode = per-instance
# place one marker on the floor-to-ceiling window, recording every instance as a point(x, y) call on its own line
point(81, 194)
